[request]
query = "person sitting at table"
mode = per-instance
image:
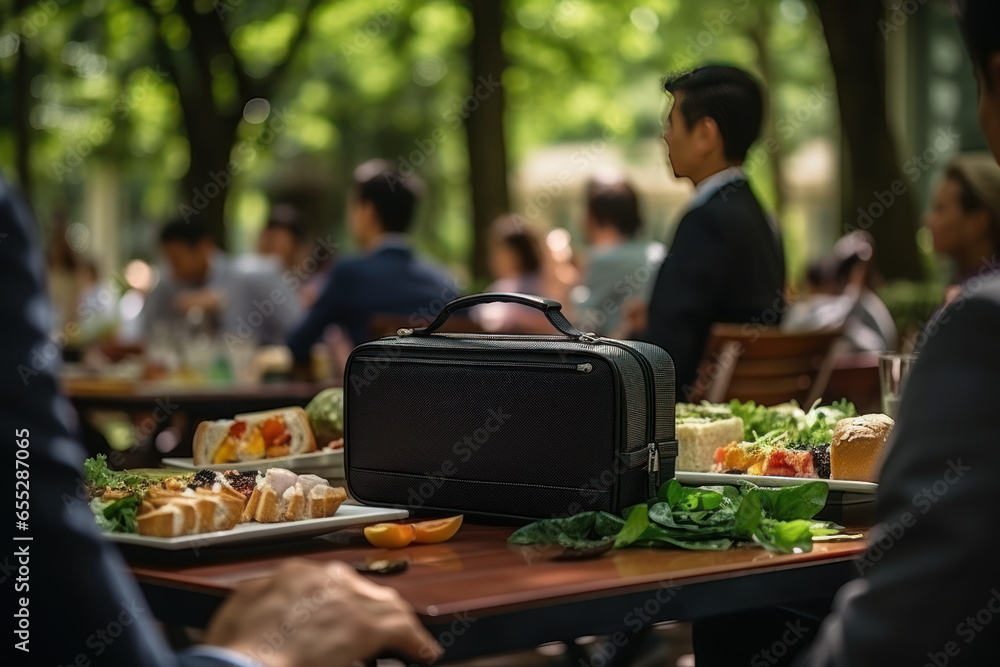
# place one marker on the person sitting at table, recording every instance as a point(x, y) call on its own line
point(388, 279)
point(929, 587)
point(964, 217)
point(843, 296)
point(84, 607)
point(518, 264)
point(621, 268)
point(726, 262)
point(241, 299)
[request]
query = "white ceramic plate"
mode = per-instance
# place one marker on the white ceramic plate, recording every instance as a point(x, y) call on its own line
point(321, 463)
point(257, 533)
point(703, 478)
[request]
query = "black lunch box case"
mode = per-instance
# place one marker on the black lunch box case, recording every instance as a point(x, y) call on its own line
point(512, 427)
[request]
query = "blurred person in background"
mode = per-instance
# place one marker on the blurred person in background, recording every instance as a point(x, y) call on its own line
point(726, 262)
point(843, 294)
point(284, 238)
point(387, 278)
point(518, 263)
point(245, 297)
point(621, 269)
point(964, 217)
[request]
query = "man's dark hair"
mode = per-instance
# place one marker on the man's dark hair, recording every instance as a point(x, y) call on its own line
point(978, 21)
point(286, 217)
point(393, 195)
point(614, 203)
point(727, 95)
point(192, 233)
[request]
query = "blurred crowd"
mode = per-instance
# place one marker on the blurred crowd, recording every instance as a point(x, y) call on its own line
point(296, 306)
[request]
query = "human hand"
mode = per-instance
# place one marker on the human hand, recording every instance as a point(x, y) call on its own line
point(310, 615)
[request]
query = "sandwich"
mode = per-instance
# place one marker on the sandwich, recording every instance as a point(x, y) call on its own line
point(281, 495)
point(253, 437)
point(858, 446)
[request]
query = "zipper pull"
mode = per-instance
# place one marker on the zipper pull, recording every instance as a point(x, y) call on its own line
point(584, 368)
point(653, 469)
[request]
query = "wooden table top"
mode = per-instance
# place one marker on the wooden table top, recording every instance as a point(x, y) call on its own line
point(476, 572)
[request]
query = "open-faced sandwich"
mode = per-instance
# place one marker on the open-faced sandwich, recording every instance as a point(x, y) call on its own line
point(701, 429)
point(253, 437)
point(281, 495)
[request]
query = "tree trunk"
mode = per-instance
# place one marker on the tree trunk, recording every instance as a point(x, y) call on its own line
point(881, 200)
point(206, 184)
point(485, 127)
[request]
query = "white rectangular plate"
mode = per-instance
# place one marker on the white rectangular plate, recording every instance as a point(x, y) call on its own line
point(323, 460)
point(258, 533)
point(702, 478)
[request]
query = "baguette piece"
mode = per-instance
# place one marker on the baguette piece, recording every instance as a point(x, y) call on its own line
point(858, 447)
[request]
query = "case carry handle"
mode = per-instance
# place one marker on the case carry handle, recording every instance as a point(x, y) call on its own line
point(550, 307)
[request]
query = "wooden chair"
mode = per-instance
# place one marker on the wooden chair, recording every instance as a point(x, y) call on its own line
point(762, 364)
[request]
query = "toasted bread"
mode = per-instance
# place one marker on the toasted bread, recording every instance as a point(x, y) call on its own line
point(166, 521)
point(214, 444)
point(858, 447)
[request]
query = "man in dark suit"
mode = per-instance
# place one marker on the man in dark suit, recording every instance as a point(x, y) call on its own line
point(726, 262)
point(930, 590)
point(69, 597)
point(388, 279)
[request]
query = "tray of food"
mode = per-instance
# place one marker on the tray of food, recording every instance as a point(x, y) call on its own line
point(781, 445)
point(309, 440)
point(180, 509)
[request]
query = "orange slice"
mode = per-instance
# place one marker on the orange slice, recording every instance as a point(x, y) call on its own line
point(390, 535)
point(439, 530)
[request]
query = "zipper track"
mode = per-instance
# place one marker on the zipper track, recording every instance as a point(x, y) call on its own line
point(582, 367)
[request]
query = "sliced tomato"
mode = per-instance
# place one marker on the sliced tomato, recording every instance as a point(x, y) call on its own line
point(275, 432)
point(238, 429)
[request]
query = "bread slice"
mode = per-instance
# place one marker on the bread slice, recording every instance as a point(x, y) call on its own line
point(697, 441)
point(208, 439)
point(166, 521)
point(858, 447)
point(281, 495)
point(324, 501)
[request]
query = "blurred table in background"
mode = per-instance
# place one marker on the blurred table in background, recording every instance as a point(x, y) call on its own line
point(174, 409)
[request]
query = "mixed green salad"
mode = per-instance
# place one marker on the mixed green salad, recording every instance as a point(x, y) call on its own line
point(117, 494)
point(707, 518)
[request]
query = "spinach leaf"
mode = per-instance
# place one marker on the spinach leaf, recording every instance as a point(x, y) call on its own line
point(608, 525)
point(794, 502)
point(637, 522)
point(117, 516)
point(748, 515)
point(785, 536)
point(575, 532)
point(655, 534)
